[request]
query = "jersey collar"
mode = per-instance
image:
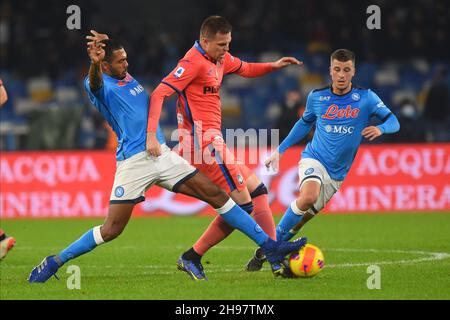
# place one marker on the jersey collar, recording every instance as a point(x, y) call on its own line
point(198, 46)
point(341, 95)
point(121, 82)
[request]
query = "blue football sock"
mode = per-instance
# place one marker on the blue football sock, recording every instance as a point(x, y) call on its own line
point(287, 222)
point(239, 219)
point(86, 243)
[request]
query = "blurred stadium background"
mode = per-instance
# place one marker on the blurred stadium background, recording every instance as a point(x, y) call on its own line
point(43, 64)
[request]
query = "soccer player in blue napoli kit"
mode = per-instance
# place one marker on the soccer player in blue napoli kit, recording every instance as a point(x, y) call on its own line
point(341, 114)
point(125, 105)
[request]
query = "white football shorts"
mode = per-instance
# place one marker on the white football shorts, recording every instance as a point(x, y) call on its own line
point(312, 170)
point(135, 175)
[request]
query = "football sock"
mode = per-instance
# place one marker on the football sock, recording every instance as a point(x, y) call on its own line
point(191, 255)
point(217, 230)
point(291, 217)
point(263, 215)
point(239, 219)
point(86, 243)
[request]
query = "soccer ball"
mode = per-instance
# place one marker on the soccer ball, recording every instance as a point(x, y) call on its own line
point(307, 262)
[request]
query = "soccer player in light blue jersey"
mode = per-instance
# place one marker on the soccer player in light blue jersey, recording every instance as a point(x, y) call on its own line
point(341, 115)
point(124, 103)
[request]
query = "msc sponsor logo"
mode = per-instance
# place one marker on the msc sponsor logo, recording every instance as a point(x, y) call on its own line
point(211, 89)
point(136, 90)
point(334, 112)
point(339, 129)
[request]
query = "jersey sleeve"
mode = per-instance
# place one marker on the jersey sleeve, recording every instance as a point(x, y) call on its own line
point(231, 64)
point(376, 105)
point(301, 127)
point(378, 109)
point(245, 69)
point(309, 116)
point(99, 94)
point(182, 75)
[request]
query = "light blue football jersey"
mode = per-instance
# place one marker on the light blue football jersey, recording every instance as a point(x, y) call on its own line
point(124, 104)
point(340, 120)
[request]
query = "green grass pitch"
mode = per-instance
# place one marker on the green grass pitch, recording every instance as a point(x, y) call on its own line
point(411, 250)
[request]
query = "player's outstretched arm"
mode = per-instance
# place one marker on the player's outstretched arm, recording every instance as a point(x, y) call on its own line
point(284, 62)
point(273, 161)
point(297, 133)
point(257, 69)
point(156, 102)
point(96, 54)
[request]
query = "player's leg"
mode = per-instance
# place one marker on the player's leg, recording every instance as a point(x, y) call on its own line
point(312, 175)
point(115, 222)
point(225, 173)
point(308, 196)
point(327, 190)
point(261, 209)
point(132, 177)
point(293, 216)
point(310, 187)
point(6, 243)
point(219, 229)
point(201, 187)
point(263, 216)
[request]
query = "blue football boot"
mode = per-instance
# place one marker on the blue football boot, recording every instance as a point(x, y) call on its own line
point(276, 251)
point(47, 268)
point(193, 268)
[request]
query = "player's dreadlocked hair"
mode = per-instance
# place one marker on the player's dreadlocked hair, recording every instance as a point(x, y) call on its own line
point(343, 55)
point(214, 24)
point(111, 45)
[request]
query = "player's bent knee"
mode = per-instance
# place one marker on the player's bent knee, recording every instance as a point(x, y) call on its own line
point(305, 202)
point(213, 195)
point(110, 232)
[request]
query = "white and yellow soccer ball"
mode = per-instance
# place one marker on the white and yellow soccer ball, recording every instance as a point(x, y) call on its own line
point(307, 262)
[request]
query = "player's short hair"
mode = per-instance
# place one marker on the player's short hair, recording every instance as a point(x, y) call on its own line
point(111, 45)
point(343, 55)
point(214, 24)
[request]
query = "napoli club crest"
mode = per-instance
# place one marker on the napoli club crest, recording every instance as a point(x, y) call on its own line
point(356, 97)
point(309, 171)
point(119, 192)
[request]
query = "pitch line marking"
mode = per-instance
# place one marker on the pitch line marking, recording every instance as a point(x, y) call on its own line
point(432, 256)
